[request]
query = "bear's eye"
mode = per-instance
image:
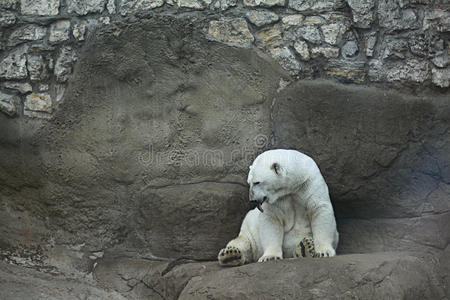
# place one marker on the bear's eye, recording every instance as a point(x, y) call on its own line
point(255, 183)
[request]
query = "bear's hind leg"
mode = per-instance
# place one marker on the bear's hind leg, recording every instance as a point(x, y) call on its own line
point(236, 253)
point(305, 248)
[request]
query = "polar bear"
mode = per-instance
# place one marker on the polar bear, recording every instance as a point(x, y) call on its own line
point(294, 216)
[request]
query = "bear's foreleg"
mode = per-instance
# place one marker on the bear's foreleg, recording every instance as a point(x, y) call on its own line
point(325, 235)
point(271, 235)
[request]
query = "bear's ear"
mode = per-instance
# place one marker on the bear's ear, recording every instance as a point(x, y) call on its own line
point(276, 168)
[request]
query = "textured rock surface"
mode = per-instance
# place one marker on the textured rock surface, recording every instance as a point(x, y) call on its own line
point(146, 152)
point(397, 41)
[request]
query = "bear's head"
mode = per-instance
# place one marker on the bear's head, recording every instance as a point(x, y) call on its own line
point(270, 177)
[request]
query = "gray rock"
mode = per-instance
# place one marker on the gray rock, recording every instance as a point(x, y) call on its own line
point(287, 59)
point(39, 7)
point(350, 49)
point(348, 71)
point(292, 20)
point(326, 51)
point(377, 276)
point(13, 66)
point(316, 5)
point(47, 286)
point(370, 42)
point(111, 7)
point(362, 12)
point(79, 30)
point(194, 190)
point(59, 31)
point(26, 33)
point(225, 4)
point(412, 70)
point(269, 37)
point(442, 60)
point(264, 3)
point(438, 19)
point(84, 7)
point(131, 6)
point(334, 32)
point(386, 155)
point(38, 105)
point(7, 18)
point(392, 17)
point(310, 33)
point(63, 66)
point(36, 67)
point(43, 87)
point(231, 31)
point(194, 4)
point(394, 48)
point(261, 18)
point(8, 3)
point(314, 20)
point(21, 87)
point(441, 77)
point(301, 47)
point(8, 104)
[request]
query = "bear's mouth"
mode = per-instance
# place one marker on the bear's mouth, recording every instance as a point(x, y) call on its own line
point(259, 204)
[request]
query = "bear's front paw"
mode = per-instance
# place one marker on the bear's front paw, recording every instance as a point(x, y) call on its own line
point(268, 258)
point(305, 248)
point(324, 251)
point(230, 256)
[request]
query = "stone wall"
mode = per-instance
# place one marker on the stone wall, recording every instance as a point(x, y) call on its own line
point(401, 42)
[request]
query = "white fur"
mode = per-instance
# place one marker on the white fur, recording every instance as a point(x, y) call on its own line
point(297, 206)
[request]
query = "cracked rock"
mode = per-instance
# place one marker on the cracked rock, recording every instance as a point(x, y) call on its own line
point(29, 32)
point(84, 7)
point(39, 7)
point(59, 31)
point(64, 62)
point(362, 12)
point(437, 19)
point(334, 32)
point(270, 36)
point(328, 52)
point(79, 30)
point(7, 18)
point(8, 104)
point(413, 70)
point(392, 17)
point(231, 31)
point(225, 4)
point(441, 77)
point(292, 20)
point(285, 57)
point(21, 87)
point(14, 66)
point(264, 3)
point(111, 7)
point(261, 18)
point(301, 47)
point(350, 49)
point(370, 42)
point(310, 33)
point(38, 105)
point(36, 67)
point(131, 6)
point(316, 5)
